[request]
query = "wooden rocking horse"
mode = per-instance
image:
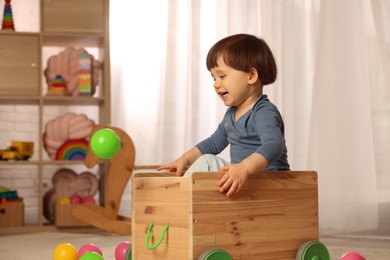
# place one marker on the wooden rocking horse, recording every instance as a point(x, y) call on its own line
point(118, 174)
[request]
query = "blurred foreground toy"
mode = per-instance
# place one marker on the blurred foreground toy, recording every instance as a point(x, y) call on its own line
point(352, 255)
point(89, 248)
point(65, 251)
point(121, 250)
point(91, 256)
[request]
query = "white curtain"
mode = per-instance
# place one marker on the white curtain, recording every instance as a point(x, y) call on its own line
point(162, 93)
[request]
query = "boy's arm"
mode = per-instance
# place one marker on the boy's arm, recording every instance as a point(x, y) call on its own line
point(255, 163)
point(183, 162)
point(237, 174)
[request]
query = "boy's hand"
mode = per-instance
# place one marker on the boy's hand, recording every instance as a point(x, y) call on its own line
point(178, 166)
point(234, 178)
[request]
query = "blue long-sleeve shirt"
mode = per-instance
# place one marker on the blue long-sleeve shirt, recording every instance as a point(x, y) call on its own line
point(260, 130)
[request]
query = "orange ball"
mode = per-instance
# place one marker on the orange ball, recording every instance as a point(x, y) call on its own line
point(63, 200)
point(65, 251)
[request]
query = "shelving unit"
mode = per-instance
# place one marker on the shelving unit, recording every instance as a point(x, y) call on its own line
point(23, 57)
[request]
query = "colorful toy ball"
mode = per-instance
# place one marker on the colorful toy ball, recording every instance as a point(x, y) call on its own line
point(91, 256)
point(65, 251)
point(75, 199)
point(63, 200)
point(128, 254)
point(88, 248)
point(352, 255)
point(105, 143)
point(120, 250)
point(88, 199)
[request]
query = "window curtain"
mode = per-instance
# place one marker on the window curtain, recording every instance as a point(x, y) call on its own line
point(162, 93)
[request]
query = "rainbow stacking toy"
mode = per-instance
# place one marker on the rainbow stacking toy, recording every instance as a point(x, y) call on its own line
point(8, 20)
point(85, 78)
point(58, 87)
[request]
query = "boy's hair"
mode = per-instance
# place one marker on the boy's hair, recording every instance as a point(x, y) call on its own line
point(243, 52)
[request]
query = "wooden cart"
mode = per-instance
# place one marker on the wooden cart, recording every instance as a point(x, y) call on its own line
point(273, 216)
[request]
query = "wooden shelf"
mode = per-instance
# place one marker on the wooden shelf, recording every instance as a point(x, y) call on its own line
point(24, 56)
point(12, 162)
point(59, 100)
point(71, 39)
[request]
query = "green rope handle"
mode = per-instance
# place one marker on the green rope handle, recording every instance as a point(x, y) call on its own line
point(150, 233)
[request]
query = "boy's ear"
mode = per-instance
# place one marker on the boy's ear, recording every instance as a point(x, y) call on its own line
point(253, 76)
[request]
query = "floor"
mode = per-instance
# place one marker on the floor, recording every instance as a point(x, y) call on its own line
point(370, 245)
point(39, 246)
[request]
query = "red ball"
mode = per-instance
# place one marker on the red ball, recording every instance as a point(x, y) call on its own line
point(120, 250)
point(75, 199)
point(352, 255)
point(88, 248)
point(88, 199)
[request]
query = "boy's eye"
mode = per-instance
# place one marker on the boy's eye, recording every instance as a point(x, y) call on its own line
point(221, 77)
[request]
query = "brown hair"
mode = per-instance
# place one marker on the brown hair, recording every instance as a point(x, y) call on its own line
point(243, 52)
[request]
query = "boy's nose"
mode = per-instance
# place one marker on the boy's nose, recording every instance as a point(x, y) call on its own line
point(217, 85)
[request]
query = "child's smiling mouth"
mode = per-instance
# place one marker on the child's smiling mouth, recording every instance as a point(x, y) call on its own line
point(223, 94)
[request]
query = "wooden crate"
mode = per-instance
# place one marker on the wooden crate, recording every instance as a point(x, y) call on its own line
point(63, 216)
point(12, 215)
point(272, 216)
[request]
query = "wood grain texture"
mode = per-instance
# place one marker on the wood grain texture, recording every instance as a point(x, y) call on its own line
point(270, 218)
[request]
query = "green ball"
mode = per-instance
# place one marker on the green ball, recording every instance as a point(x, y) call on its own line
point(91, 256)
point(105, 143)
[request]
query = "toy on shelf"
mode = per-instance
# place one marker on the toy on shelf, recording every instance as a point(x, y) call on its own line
point(74, 69)
point(8, 20)
point(75, 150)
point(11, 208)
point(8, 196)
point(85, 75)
point(58, 87)
point(68, 187)
point(19, 150)
point(66, 137)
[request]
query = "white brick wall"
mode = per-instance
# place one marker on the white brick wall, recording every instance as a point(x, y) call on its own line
point(20, 122)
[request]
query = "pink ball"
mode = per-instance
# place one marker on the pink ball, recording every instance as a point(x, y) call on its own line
point(120, 250)
point(88, 199)
point(75, 199)
point(88, 248)
point(352, 255)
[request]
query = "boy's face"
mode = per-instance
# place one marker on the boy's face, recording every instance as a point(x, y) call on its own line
point(234, 87)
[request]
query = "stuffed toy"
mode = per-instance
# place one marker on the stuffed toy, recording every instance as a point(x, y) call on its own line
point(64, 128)
point(70, 69)
point(68, 183)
